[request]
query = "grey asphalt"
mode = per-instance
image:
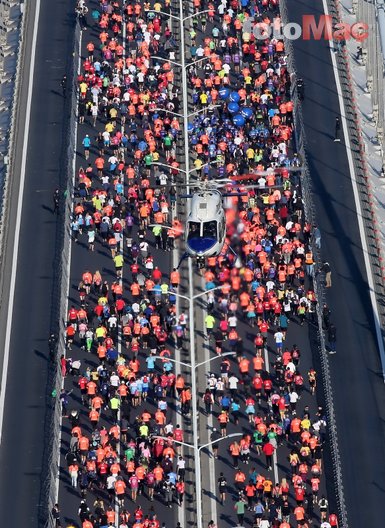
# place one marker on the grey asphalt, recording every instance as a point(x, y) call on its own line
point(355, 368)
point(306, 339)
point(21, 452)
point(359, 395)
point(81, 260)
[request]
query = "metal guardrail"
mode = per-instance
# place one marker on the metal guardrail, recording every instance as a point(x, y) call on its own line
point(362, 174)
point(374, 60)
point(7, 171)
point(319, 287)
point(51, 470)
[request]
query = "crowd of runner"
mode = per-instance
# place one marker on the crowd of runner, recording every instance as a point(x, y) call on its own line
point(125, 431)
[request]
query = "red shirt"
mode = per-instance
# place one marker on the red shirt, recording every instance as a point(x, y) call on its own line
point(268, 449)
point(156, 274)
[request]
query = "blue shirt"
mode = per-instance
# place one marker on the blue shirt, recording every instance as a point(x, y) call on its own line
point(225, 401)
point(172, 477)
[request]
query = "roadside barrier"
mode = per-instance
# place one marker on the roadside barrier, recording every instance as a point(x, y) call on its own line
point(319, 287)
point(51, 470)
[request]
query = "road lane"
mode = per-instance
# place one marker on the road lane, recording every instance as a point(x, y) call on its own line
point(356, 367)
point(22, 448)
point(82, 259)
point(306, 339)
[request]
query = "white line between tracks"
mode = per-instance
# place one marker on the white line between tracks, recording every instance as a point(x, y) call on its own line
point(18, 219)
point(275, 458)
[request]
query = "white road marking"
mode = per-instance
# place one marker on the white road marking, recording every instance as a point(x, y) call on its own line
point(120, 338)
point(275, 458)
point(357, 202)
point(18, 220)
point(210, 425)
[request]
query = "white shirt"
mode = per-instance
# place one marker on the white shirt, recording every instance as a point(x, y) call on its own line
point(278, 337)
point(220, 385)
point(212, 382)
point(168, 429)
point(112, 321)
point(226, 68)
point(181, 464)
point(232, 321)
point(163, 178)
point(111, 481)
point(293, 397)
point(114, 380)
point(233, 382)
point(290, 366)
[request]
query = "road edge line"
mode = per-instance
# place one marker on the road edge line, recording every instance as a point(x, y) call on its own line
point(15, 253)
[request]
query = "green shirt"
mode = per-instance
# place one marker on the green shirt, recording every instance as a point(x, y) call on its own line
point(148, 160)
point(143, 430)
point(114, 403)
point(118, 261)
point(240, 507)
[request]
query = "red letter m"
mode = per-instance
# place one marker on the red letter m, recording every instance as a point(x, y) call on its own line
point(323, 30)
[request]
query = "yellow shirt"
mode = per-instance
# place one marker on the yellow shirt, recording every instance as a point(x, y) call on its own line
point(305, 424)
point(250, 153)
point(118, 261)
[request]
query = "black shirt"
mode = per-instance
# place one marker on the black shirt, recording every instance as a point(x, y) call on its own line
point(222, 483)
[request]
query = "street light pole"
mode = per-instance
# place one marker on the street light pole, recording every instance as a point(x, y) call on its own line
point(190, 446)
point(209, 107)
point(188, 365)
point(194, 400)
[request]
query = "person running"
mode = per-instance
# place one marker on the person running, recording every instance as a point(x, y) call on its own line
point(332, 338)
point(222, 488)
point(337, 129)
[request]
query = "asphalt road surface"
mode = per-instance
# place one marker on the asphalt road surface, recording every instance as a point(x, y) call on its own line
point(21, 453)
point(81, 260)
point(358, 387)
point(306, 339)
point(357, 383)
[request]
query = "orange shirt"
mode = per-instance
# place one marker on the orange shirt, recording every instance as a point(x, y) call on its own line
point(240, 477)
point(84, 443)
point(120, 487)
point(258, 363)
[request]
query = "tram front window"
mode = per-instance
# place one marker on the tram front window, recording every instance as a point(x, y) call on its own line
point(210, 229)
point(193, 230)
